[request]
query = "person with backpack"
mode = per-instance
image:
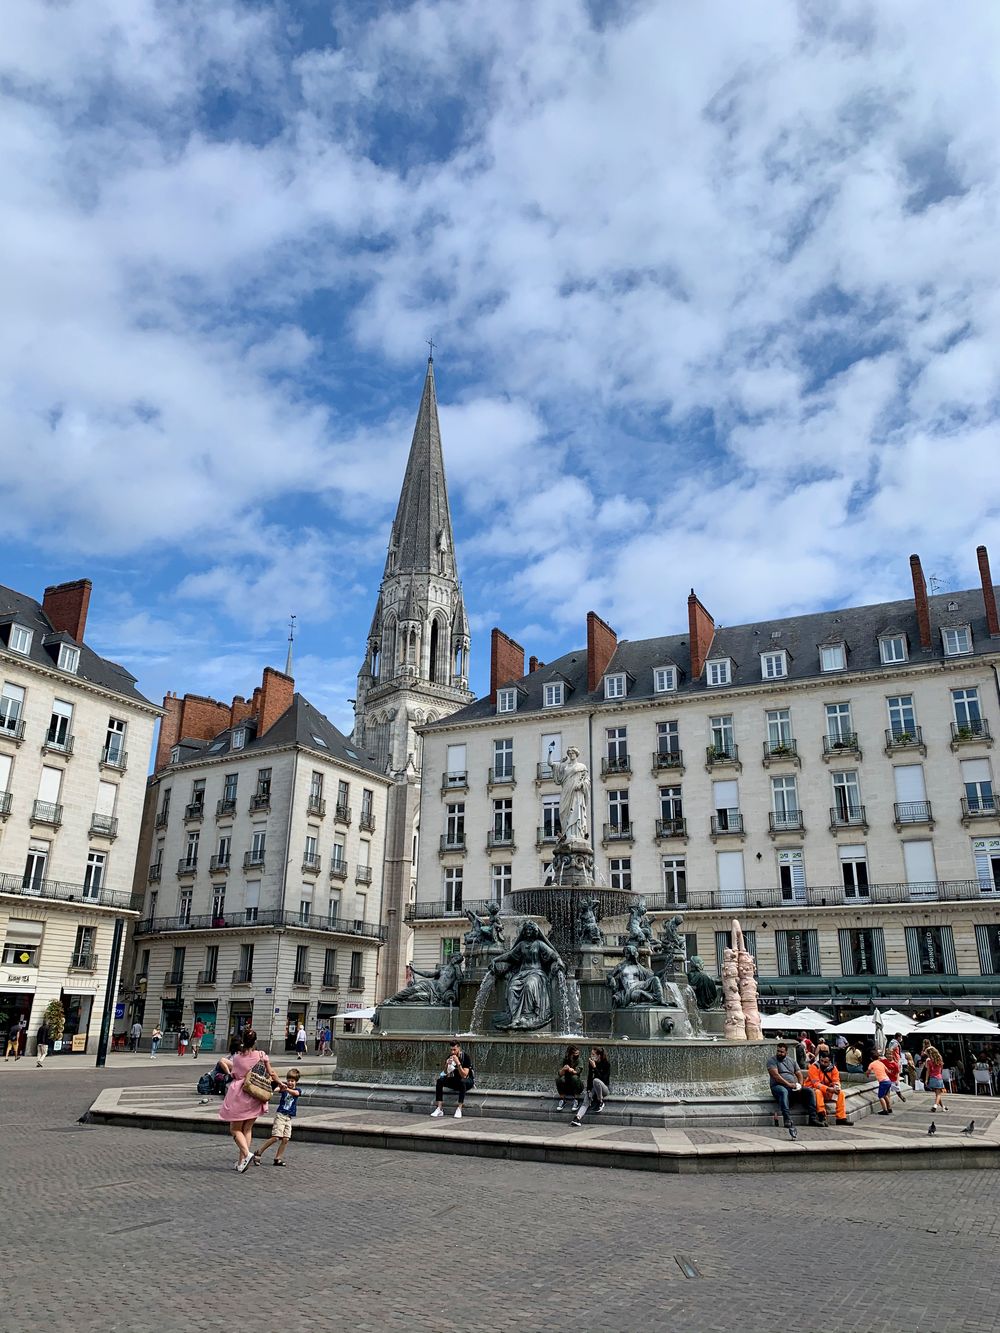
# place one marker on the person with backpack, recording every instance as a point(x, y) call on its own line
point(183, 1037)
point(458, 1075)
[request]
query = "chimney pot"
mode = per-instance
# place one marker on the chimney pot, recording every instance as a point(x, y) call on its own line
point(989, 592)
point(506, 661)
point(701, 632)
point(920, 601)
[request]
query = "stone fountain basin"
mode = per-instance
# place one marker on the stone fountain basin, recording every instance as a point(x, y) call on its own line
point(693, 1068)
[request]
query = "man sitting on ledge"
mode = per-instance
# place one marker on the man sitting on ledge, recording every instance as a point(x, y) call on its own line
point(823, 1078)
point(457, 1075)
point(786, 1082)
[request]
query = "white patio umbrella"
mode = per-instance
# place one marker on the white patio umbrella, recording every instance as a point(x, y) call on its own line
point(775, 1022)
point(957, 1023)
point(864, 1024)
point(809, 1020)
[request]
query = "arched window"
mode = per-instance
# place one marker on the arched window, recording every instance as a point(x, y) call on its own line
point(432, 667)
point(375, 659)
point(391, 655)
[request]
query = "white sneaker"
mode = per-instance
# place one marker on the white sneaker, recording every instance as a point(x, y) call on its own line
point(458, 1113)
point(246, 1162)
point(560, 1105)
point(574, 1106)
point(436, 1113)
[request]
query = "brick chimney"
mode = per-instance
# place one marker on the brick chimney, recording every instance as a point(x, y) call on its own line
point(506, 662)
point(238, 710)
point(701, 633)
point(170, 724)
point(195, 716)
point(989, 593)
point(276, 694)
point(601, 644)
point(532, 664)
point(920, 601)
point(66, 605)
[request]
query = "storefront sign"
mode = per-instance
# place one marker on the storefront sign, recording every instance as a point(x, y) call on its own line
point(119, 1011)
point(79, 1042)
point(17, 980)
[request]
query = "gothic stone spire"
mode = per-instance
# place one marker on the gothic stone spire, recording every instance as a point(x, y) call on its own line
point(421, 534)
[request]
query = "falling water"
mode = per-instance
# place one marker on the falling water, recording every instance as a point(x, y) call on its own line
point(482, 1000)
point(567, 1016)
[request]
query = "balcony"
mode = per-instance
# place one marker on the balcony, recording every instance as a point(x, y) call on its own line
point(342, 814)
point(11, 731)
point(974, 731)
point(723, 756)
point(617, 764)
point(194, 813)
point(206, 979)
point(259, 801)
point(27, 886)
point(617, 833)
point(984, 807)
point(113, 757)
point(503, 777)
point(454, 782)
point(44, 812)
point(174, 980)
point(83, 961)
point(187, 866)
point(773, 897)
point(727, 823)
point(312, 863)
point(848, 816)
point(5, 802)
point(543, 773)
point(668, 761)
point(302, 979)
point(356, 981)
point(905, 740)
point(219, 865)
point(243, 976)
point(162, 818)
point(781, 752)
point(338, 869)
point(103, 826)
point(785, 821)
point(442, 911)
point(253, 860)
point(362, 874)
point(52, 746)
point(671, 828)
point(451, 842)
point(500, 838)
point(226, 808)
point(331, 981)
point(842, 746)
point(154, 873)
point(545, 837)
point(316, 805)
point(367, 822)
point(166, 925)
point(912, 812)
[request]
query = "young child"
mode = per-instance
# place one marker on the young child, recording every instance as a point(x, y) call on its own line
point(281, 1130)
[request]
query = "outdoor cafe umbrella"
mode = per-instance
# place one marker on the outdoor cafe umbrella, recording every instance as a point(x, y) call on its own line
point(809, 1020)
point(879, 1032)
point(864, 1025)
point(775, 1022)
point(957, 1023)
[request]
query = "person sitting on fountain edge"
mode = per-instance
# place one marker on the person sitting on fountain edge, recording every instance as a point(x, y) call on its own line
point(569, 1080)
point(786, 1081)
point(823, 1078)
point(456, 1075)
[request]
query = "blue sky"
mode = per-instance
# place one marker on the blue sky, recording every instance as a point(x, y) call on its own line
point(713, 289)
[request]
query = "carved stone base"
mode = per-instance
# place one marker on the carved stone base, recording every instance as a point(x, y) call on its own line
point(573, 864)
point(592, 965)
point(645, 1022)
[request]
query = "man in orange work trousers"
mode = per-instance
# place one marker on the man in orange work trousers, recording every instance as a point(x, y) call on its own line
point(823, 1078)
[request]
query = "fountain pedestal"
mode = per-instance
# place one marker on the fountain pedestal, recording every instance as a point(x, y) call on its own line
point(646, 1022)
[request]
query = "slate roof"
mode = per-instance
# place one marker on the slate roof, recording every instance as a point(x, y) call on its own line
point(301, 724)
point(93, 669)
point(423, 501)
point(858, 627)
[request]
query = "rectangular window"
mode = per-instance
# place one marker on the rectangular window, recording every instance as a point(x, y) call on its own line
point(614, 686)
point(258, 844)
point(675, 880)
point(337, 852)
point(35, 865)
point(988, 946)
point(453, 889)
point(618, 810)
point(671, 805)
point(246, 963)
point(229, 786)
point(726, 803)
point(329, 967)
point(668, 739)
point(69, 658)
point(792, 875)
point(315, 787)
point(551, 827)
point(456, 772)
point(83, 947)
point(218, 904)
point(552, 694)
point(664, 679)
point(617, 744)
point(930, 950)
point(717, 671)
point(239, 738)
point(263, 790)
point(58, 736)
point(114, 743)
point(211, 964)
point(832, 657)
point(367, 806)
point(854, 871)
point(902, 716)
point(862, 952)
point(454, 825)
point(506, 701)
point(846, 797)
point(977, 779)
point(11, 706)
point(785, 802)
point(732, 885)
point(451, 944)
point(93, 875)
point(723, 737)
point(773, 666)
point(551, 747)
point(191, 848)
point(184, 900)
point(198, 794)
point(503, 760)
point(620, 873)
point(798, 953)
point(251, 901)
point(957, 641)
point(893, 648)
point(966, 706)
point(503, 820)
point(779, 727)
point(301, 964)
point(838, 722)
point(500, 882)
point(311, 853)
point(20, 639)
point(333, 911)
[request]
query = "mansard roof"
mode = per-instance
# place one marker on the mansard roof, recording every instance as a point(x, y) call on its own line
point(422, 527)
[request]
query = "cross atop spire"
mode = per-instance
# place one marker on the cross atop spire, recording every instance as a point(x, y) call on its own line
point(421, 539)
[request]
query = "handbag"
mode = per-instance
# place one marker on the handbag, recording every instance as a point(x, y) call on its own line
point(258, 1082)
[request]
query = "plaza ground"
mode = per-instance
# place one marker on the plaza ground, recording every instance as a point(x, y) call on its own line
point(114, 1228)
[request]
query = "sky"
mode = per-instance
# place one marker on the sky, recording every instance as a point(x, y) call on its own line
point(713, 291)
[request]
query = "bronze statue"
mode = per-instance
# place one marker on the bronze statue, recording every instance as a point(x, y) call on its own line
point(528, 965)
point(631, 983)
point(485, 934)
point(706, 990)
point(640, 932)
point(589, 916)
point(671, 945)
point(437, 987)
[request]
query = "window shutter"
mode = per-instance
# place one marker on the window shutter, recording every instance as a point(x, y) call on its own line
point(813, 938)
point(721, 943)
point(846, 960)
point(781, 939)
point(691, 943)
point(985, 951)
point(878, 951)
point(984, 870)
point(948, 959)
point(913, 950)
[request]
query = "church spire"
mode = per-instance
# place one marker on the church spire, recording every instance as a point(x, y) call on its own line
point(421, 540)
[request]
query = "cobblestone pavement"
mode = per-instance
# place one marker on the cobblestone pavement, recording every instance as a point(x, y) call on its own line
point(118, 1229)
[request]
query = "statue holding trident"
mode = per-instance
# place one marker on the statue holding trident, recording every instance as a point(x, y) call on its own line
point(574, 801)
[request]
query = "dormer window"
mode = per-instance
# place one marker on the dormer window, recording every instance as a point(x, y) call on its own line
point(239, 738)
point(718, 671)
point(614, 686)
point(832, 657)
point(957, 641)
point(664, 679)
point(892, 648)
point(506, 701)
point(773, 665)
point(69, 658)
point(553, 694)
point(20, 639)
point(175, 754)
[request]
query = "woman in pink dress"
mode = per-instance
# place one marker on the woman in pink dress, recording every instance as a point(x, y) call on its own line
point(238, 1108)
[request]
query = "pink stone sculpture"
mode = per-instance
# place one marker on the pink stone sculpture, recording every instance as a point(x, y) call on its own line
point(747, 974)
point(734, 1026)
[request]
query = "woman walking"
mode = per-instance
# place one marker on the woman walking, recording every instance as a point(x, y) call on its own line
point(934, 1065)
point(240, 1108)
point(569, 1080)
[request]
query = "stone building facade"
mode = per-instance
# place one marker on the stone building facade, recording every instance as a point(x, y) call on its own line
point(260, 869)
point(828, 778)
point(75, 740)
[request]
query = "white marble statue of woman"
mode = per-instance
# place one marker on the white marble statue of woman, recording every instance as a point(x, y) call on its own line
point(573, 777)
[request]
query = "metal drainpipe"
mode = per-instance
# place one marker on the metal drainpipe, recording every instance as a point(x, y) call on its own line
point(593, 786)
point(284, 889)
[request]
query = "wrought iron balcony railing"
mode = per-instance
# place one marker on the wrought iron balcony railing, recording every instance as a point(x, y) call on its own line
point(452, 842)
point(311, 863)
point(899, 738)
point(83, 960)
point(912, 812)
point(362, 874)
point(168, 925)
point(848, 816)
point(114, 757)
point(671, 828)
point(667, 759)
point(970, 731)
point(342, 814)
point(187, 865)
point(54, 745)
point(726, 821)
point(366, 822)
point(226, 807)
point(103, 826)
point(840, 745)
point(12, 730)
point(981, 807)
point(260, 800)
point(253, 860)
point(45, 812)
point(220, 865)
point(154, 873)
point(785, 821)
point(316, 805)
point(619, 763)
point(331, 981)
point(618, 833)
point(338, 869)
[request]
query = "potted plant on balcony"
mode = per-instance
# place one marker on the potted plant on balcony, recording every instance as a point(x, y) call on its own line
point(964, 733)
point(54, 1019)
point(781, 751)
point(902, 738)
